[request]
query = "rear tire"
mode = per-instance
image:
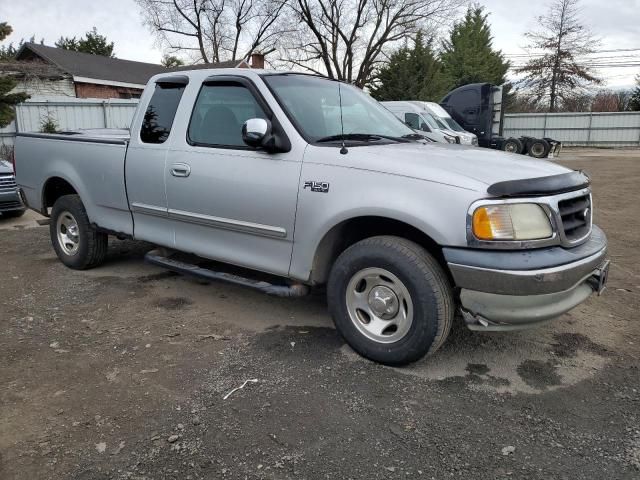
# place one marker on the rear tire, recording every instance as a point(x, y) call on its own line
point(539, 148)
point(390, 300)
point(513, 145)
point(77, 244)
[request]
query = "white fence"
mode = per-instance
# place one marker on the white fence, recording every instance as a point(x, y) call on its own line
point(616, 129)
point(70, 114)
point(581, 129)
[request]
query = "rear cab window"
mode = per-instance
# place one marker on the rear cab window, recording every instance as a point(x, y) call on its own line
point(161, 110)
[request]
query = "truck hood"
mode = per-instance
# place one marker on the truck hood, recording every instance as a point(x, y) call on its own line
point(466, 167)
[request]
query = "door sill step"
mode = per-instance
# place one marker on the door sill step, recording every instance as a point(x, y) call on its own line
point(156, 257)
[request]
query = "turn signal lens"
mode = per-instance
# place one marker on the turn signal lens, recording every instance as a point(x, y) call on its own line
point(516, 221)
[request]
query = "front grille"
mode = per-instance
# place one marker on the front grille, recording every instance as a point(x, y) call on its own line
point(576, 217)
point(10, 205)
point(7, 182)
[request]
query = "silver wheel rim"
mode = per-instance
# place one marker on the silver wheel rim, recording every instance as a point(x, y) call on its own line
point(68, 234)
point(537, 149)
point(379, 305)
point(511, 147)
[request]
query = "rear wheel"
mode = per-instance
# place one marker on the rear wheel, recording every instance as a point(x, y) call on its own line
point(77, 244)
point(512, 145)
point(390, 300)
point(539, 148)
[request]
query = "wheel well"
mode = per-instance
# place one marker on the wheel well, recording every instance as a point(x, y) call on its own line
point(351, 231)
point(55, 188)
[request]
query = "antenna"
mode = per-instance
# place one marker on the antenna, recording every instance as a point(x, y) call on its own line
point(343, 150)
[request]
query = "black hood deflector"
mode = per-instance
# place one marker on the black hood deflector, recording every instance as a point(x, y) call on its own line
point(551, 185)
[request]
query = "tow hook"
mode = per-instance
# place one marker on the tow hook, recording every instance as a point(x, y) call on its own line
point(473, 319)
point(598, 281)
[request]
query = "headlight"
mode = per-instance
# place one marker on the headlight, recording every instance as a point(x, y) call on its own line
point(511, 221)
point(450, 139)
point(474, 141)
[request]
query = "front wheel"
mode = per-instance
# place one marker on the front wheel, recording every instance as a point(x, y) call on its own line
point(77, 244)
point(513, 145)
point(390, 300)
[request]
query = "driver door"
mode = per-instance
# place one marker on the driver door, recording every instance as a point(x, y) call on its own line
point(228, 201)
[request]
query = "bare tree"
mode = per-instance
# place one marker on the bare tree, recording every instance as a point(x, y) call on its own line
point(346, 39)
point(558, 72)
point(214, 30)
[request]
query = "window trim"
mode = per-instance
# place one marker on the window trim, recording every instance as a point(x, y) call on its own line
point(177, 80)
point(262, 103)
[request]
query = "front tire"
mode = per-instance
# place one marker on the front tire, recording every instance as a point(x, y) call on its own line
point(77, 244)
point(390, 300)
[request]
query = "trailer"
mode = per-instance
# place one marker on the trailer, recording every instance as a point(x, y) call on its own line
point(478, 107)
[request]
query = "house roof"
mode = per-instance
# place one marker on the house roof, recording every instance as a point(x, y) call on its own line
point(88, 68)
point(92, 67)
point(206, 66)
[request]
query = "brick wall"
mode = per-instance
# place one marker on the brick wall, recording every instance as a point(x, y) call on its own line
point(91, 90)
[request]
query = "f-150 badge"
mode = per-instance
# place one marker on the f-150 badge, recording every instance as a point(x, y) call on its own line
point(322, 187)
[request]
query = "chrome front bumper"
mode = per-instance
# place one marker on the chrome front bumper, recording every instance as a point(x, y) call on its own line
point(515, 289)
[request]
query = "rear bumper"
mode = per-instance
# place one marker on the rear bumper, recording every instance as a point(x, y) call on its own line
point(10, 201)
point(511, 290)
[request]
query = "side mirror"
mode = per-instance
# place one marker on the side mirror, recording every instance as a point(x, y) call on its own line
point(255, 131)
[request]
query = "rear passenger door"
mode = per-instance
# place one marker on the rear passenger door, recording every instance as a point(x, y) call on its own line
point(228, 201)
point(145, 162)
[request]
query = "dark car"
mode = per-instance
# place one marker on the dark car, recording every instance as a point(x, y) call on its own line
point(10, 203)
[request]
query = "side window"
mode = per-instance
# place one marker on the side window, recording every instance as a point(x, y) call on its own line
point(413, 120)
point(219, 113)
point(423, 125)
point(161, 110)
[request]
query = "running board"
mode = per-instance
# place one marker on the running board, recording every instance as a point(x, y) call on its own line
point(156, 258)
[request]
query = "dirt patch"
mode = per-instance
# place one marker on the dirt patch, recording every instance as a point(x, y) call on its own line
point(569, 344)
point(539, 374)
point(122, 372)
point(172, 303)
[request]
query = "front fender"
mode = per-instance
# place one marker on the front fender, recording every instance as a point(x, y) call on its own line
point(437, 210)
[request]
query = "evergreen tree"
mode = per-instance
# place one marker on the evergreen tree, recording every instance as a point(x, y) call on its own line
point(92, 43)
point(468, 55)
point(634, 101)
point(9, 52)
point(411, 74)
point(171, 61)
point(8, 100)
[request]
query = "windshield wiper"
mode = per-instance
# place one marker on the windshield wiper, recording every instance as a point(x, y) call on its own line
point(362, 137)
point(413, 136)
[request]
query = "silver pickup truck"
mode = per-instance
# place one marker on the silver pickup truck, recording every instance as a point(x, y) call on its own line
point(312, 182)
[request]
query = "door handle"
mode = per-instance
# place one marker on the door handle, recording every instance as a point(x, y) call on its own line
point(180, 170)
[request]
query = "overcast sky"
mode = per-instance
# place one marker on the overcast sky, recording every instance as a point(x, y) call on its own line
point(616, 22)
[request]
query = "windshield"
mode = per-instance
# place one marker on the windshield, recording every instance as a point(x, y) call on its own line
point(429, 120)
point(444, 117)
point(453, 125)
point(313, 104)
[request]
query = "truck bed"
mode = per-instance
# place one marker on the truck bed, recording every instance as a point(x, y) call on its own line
point(90, 161)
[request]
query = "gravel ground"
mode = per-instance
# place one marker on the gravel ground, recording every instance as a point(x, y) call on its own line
point(129, 371)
